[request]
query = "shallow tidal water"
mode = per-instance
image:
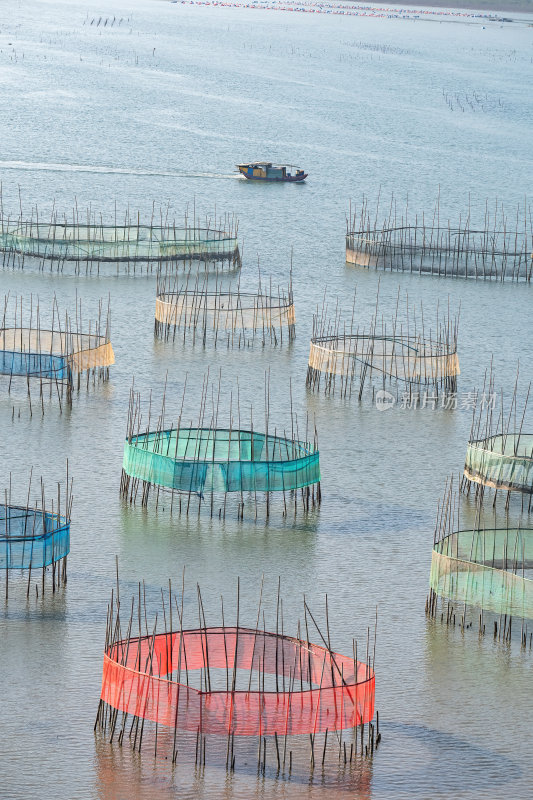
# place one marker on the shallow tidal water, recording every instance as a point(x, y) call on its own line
point(159, 108)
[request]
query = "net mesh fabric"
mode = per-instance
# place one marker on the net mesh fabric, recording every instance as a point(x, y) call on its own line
point(145, 678)
point(226, 311)
point(407, 359)
point(502, 462)
point(114, 243)
point(99, 356)
point(486, 568)
point(206, 460)
point(30, 538)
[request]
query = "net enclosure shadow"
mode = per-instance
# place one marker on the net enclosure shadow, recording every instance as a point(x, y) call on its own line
point(147, 677)
point(31, 538)
point(485, 568)
point(503, 461)
point(201, 460)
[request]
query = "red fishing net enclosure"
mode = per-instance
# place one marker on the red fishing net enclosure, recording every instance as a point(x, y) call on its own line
point(315, 689)
point(243, 688)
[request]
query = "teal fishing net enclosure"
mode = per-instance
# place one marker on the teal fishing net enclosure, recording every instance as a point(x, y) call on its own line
point(487, 569)
point(221, 460)
point(31, 538)
point(502, 461)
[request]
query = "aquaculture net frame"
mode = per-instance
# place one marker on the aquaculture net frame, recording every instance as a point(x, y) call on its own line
point(342, 696)
point(448, 252)
point(227, 310)
point(247, 462)
point(32, 538)
point(338, 354)
point(52, 354)
point(479, 568)
point(497, 461)
point(116, 243)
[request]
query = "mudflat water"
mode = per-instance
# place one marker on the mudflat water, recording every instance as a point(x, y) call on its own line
point(159, 107)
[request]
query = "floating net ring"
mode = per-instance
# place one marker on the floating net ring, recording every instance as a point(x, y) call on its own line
point(314, 689)
point(503, 461)
point(220, 460)
point(228, 310)
point(93, 242)
point(486, 569)
point(410, 359)
point(31, 538)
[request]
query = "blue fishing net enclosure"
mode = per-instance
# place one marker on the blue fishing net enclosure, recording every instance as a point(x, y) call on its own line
point(32, 537)
point(57, 350)
point(34, 365)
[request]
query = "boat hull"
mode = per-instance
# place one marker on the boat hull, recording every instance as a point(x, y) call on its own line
point(291, 179)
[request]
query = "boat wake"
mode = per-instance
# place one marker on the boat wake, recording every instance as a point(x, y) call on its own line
point(39, 166)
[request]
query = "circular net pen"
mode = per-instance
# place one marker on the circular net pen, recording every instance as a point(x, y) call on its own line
point(232, 317)
point(130, 248)
point(459, 253)
point(349, 358)
point(57, 351)
point(499, 249)
point(499, 454)
point(503, 461)
point(340, 699)
point(34, 538)
point(343, 355)
point(210, 690)
point(489, 569)
point(52, 355)
point(200, 461)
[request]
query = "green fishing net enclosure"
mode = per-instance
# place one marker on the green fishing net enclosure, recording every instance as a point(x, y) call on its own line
point(486, 568)
point(220, 460)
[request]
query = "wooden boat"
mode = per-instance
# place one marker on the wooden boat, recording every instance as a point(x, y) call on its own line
point(266, 171)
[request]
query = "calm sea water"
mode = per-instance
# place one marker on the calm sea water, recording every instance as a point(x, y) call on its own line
point(159, 108)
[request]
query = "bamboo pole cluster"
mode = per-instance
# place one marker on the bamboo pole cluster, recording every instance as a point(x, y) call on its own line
point(82, 242)
point(36, 536)
point(345, 354)
point(217, 314)
point(389, 238)
point(189, 693)
point(193, 458)
point(54, 353)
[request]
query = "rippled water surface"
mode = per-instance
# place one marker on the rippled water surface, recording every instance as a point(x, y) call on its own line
point(159, 108)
